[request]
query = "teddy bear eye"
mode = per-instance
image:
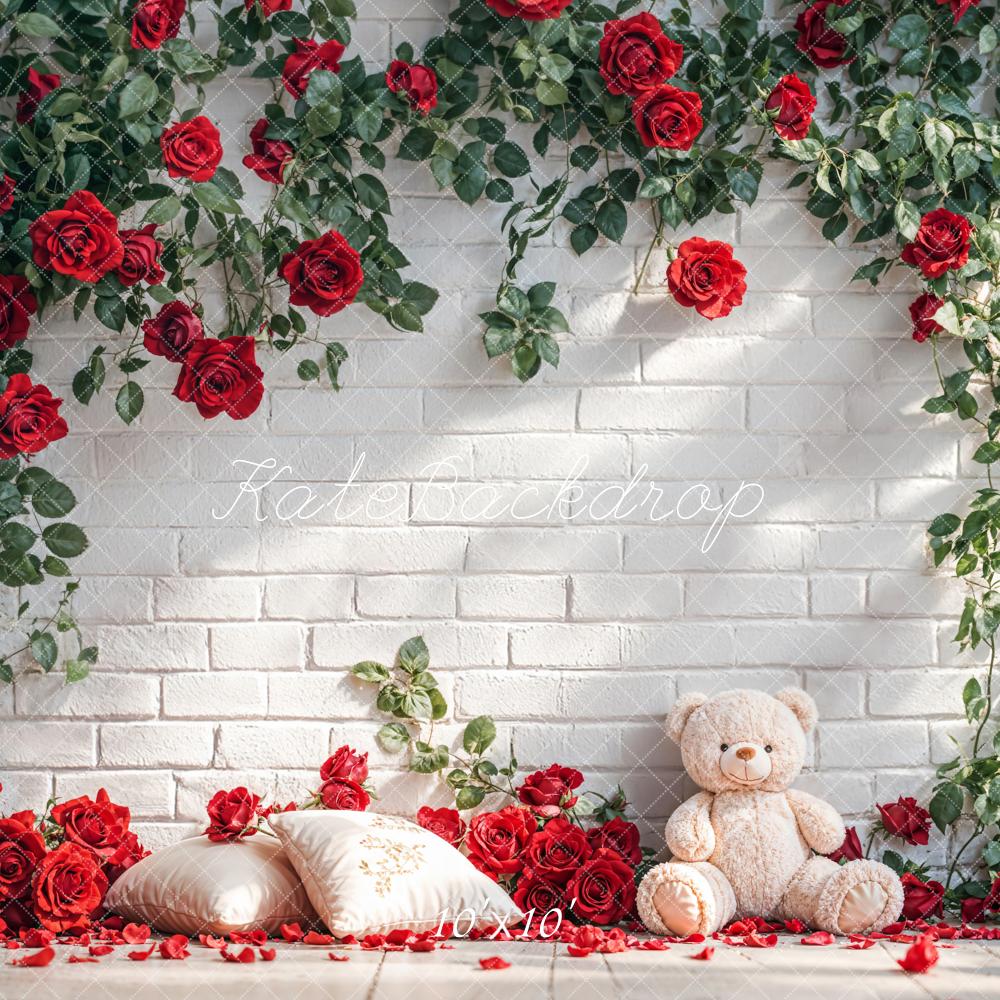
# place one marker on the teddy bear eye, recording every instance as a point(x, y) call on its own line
point(724, 747)
point(768, 748)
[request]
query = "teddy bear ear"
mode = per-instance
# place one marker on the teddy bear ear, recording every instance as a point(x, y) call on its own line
point(802, 706)
point(678, 716)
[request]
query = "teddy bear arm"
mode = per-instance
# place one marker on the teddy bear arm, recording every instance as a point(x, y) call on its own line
point(821, 825)
point(689, 832)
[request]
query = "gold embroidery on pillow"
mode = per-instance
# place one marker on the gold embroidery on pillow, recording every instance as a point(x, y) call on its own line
point(392, 859)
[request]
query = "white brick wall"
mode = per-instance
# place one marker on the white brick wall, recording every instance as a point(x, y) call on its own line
point(224, 643)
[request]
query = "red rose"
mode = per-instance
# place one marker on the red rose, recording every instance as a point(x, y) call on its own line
point(922, 310)
point(619, 836)
point(921, 900)
point(323, 274)
point(668, 117)
point(191, 149)
point(140, 257)
point(850, 849)
point(536, 894)
point(171, 332)
point(824, 46)
point(497, 840)
point(79, 240)
point(39, 84)
point(221, 375)
point(548, 791)
point(29, 418)
point(637, 56)
point(309, 55)
point(17, 304)
point(959, 8)
point(100, 824)
point(941, 243)
point(604, 889)
point(793, 104)
point(529, 10)
point(21, 849)
point(446, 823)
point(704, 274)
point(232, 815)
point(7, 188)
point(154, 21)
point(907, 820)
point(557, 850)
point(342, 793)
point(126, 854)
point(69, 887)
point(419, 83)
point(270, 156)
point(345, 763)
point(268, 7)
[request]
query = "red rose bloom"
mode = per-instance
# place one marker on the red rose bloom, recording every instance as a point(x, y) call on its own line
point(636, 55)
point(171, 332)
point(907, 820)
point(921, 900)
point(446, 823)
point(270, 156)
point(497, 840)
point(39, 84)
point(221, 375)
point(668, 117)
point(191, 149)
point(268, 7)
point(850, 849)
point(536, 894)
point(69, 887)
point(529, 10)
point(419, 83)
point(17, 304)
point(604, 889)
point(548, 791)
point(79, 240)
point(959, 8)
point(21, 849)
point(345, 763)
point(309, 55)
point(342, 793)
point(619, 836)
point(824, 46)
point(126, 854)
point(922, 310)
point(704, 274)
point(232, 815)
point(100, 825)
point(941, 243)
point(323, 274)
point(141, 257)
point(793, 104)
point(29, 418)
point(155, 21)
point(557, 850)
point(7, 188)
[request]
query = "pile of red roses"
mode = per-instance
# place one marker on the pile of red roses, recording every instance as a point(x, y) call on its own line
point(55, 870)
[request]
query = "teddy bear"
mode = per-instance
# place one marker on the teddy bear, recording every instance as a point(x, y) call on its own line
point(749, 844)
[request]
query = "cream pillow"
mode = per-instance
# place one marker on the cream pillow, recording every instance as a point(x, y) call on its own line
point(366, 873)
point(200, 887)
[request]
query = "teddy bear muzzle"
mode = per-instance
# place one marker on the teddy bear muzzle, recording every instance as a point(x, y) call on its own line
point(747, 763)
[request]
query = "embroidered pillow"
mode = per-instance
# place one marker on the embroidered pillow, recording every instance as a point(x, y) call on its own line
point(366, 873)
point(199, 887)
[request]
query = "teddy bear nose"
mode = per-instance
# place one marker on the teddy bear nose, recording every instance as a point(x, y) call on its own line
point(746, 753)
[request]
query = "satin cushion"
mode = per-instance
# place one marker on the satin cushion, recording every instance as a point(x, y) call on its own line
point(199, 887)
point(366, 873)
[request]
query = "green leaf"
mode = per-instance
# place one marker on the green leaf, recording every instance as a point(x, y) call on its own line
point(64, 539)
point(6, 672)
point(370, 672)
point(427, 759)
point(511, 160)
point(371, 193)
point(744, 185)
point(551, 94)
point(53, 499)
point(907, 219)
point(37, 25)
point(583, 238)
point(368, 122)
point(76, 670)
point(111, 312)
point(938, 138)
point(165, 210)
point(908, 32)
point(479, 735)
point(55, 567)
point(469, 796)
point(334, 355)
point(414, 656)
point(946, 805)
point(44, 650)
point(129, 401)
point(16, 536)
point(393, 737)
point(10, 499)
point(612, 220)
point(944, 524)
point(213, 198)
point(308, 370)
point(139, 95)
point(500, 340)
point(987, 453)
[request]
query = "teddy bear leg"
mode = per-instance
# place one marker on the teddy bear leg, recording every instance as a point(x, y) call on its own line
point(681, 898)
point(857, 898)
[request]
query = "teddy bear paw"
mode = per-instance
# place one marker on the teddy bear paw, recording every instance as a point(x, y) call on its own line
point(677, 899)
point(862, 906)
point(862, 896)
